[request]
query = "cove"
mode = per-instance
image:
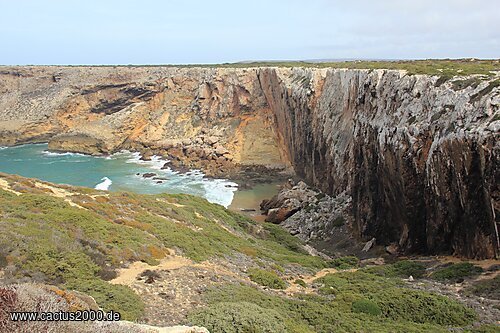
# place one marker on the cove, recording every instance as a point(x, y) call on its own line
point(118, 172)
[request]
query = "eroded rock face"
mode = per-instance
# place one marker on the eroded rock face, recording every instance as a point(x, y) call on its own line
point(193, 114)
point(420, 161)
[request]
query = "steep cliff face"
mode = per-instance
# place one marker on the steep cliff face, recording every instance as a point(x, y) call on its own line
point(419, 159)
point(209, 118)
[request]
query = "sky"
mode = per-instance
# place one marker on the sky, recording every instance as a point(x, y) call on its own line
point(194, 31)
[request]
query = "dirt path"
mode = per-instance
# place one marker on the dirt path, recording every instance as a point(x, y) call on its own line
point(60, 193)
point(4, 185)
point(127, 276)
point(296, 288)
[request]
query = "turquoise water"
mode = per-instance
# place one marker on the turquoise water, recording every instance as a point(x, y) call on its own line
point(117, 172)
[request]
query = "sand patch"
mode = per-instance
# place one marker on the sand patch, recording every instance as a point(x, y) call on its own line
point(170, 203)
point(5, 186)
point(60, 193)
point(127, 276)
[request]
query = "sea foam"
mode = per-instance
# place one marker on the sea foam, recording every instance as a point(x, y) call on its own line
point(54, 154)
point(104, 185)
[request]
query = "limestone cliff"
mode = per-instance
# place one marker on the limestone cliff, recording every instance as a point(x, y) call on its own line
point(196, 115)
point(419, 157)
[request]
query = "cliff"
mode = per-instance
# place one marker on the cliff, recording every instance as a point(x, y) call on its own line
point(211, 118)
point(419, 159)
point(418, 155)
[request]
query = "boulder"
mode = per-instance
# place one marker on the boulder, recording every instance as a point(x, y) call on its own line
point(211, 140)
point(392, 249)
point(369, 245)
point(278, 215)
point(220, 150)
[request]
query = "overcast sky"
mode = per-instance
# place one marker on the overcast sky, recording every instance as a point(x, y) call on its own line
point(197, 31)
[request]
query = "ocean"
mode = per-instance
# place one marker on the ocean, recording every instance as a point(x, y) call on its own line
point(118, 172)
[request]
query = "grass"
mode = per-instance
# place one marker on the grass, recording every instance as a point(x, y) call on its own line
point(456, 272)
point(44, 239)
point(347, 262)
point(362, 302)
point(266, 278)
point(446, 68)
point(366, 306)
point(489, 288)
point(402, 269)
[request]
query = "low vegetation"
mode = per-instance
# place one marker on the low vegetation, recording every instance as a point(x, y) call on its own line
point(456, 272)
point(301, 283)
point(347, 302)
point(240, 317)
point(445, 68)
point(266, 278)
point(489, 288)
point(30, 297)
point(44, 239)
point(345, 262)
point(402, 269)
point(79, 247)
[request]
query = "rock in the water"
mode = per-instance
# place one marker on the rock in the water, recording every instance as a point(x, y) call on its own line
point(148, 174)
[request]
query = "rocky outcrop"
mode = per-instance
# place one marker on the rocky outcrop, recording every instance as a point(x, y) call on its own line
point(214, 119)
point(417, 157)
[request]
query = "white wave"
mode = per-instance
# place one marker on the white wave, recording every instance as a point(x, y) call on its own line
point(55, 154)
point(104, 185)
point(156, 162)
point(2, 147)
point(220, 191)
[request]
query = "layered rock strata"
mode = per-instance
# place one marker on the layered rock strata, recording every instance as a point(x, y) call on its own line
point(417, 157)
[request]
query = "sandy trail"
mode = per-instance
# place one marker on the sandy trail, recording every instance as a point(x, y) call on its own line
point(127, 276)
point(295, 288)
point(5, 186)
point(60, 193)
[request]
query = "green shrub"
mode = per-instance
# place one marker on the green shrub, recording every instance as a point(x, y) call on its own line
point(266, 278)
point(395, 301)
point(345, 262)
point(283, 237)
point(238, 317)
point(366, 306)
point(111, 297)
point(486, 288)
point(456, 272)
point(58, 267)
point(301, 283)
point(312, 313)
point(484, 329)
point(422, 307)
point(403, 269)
